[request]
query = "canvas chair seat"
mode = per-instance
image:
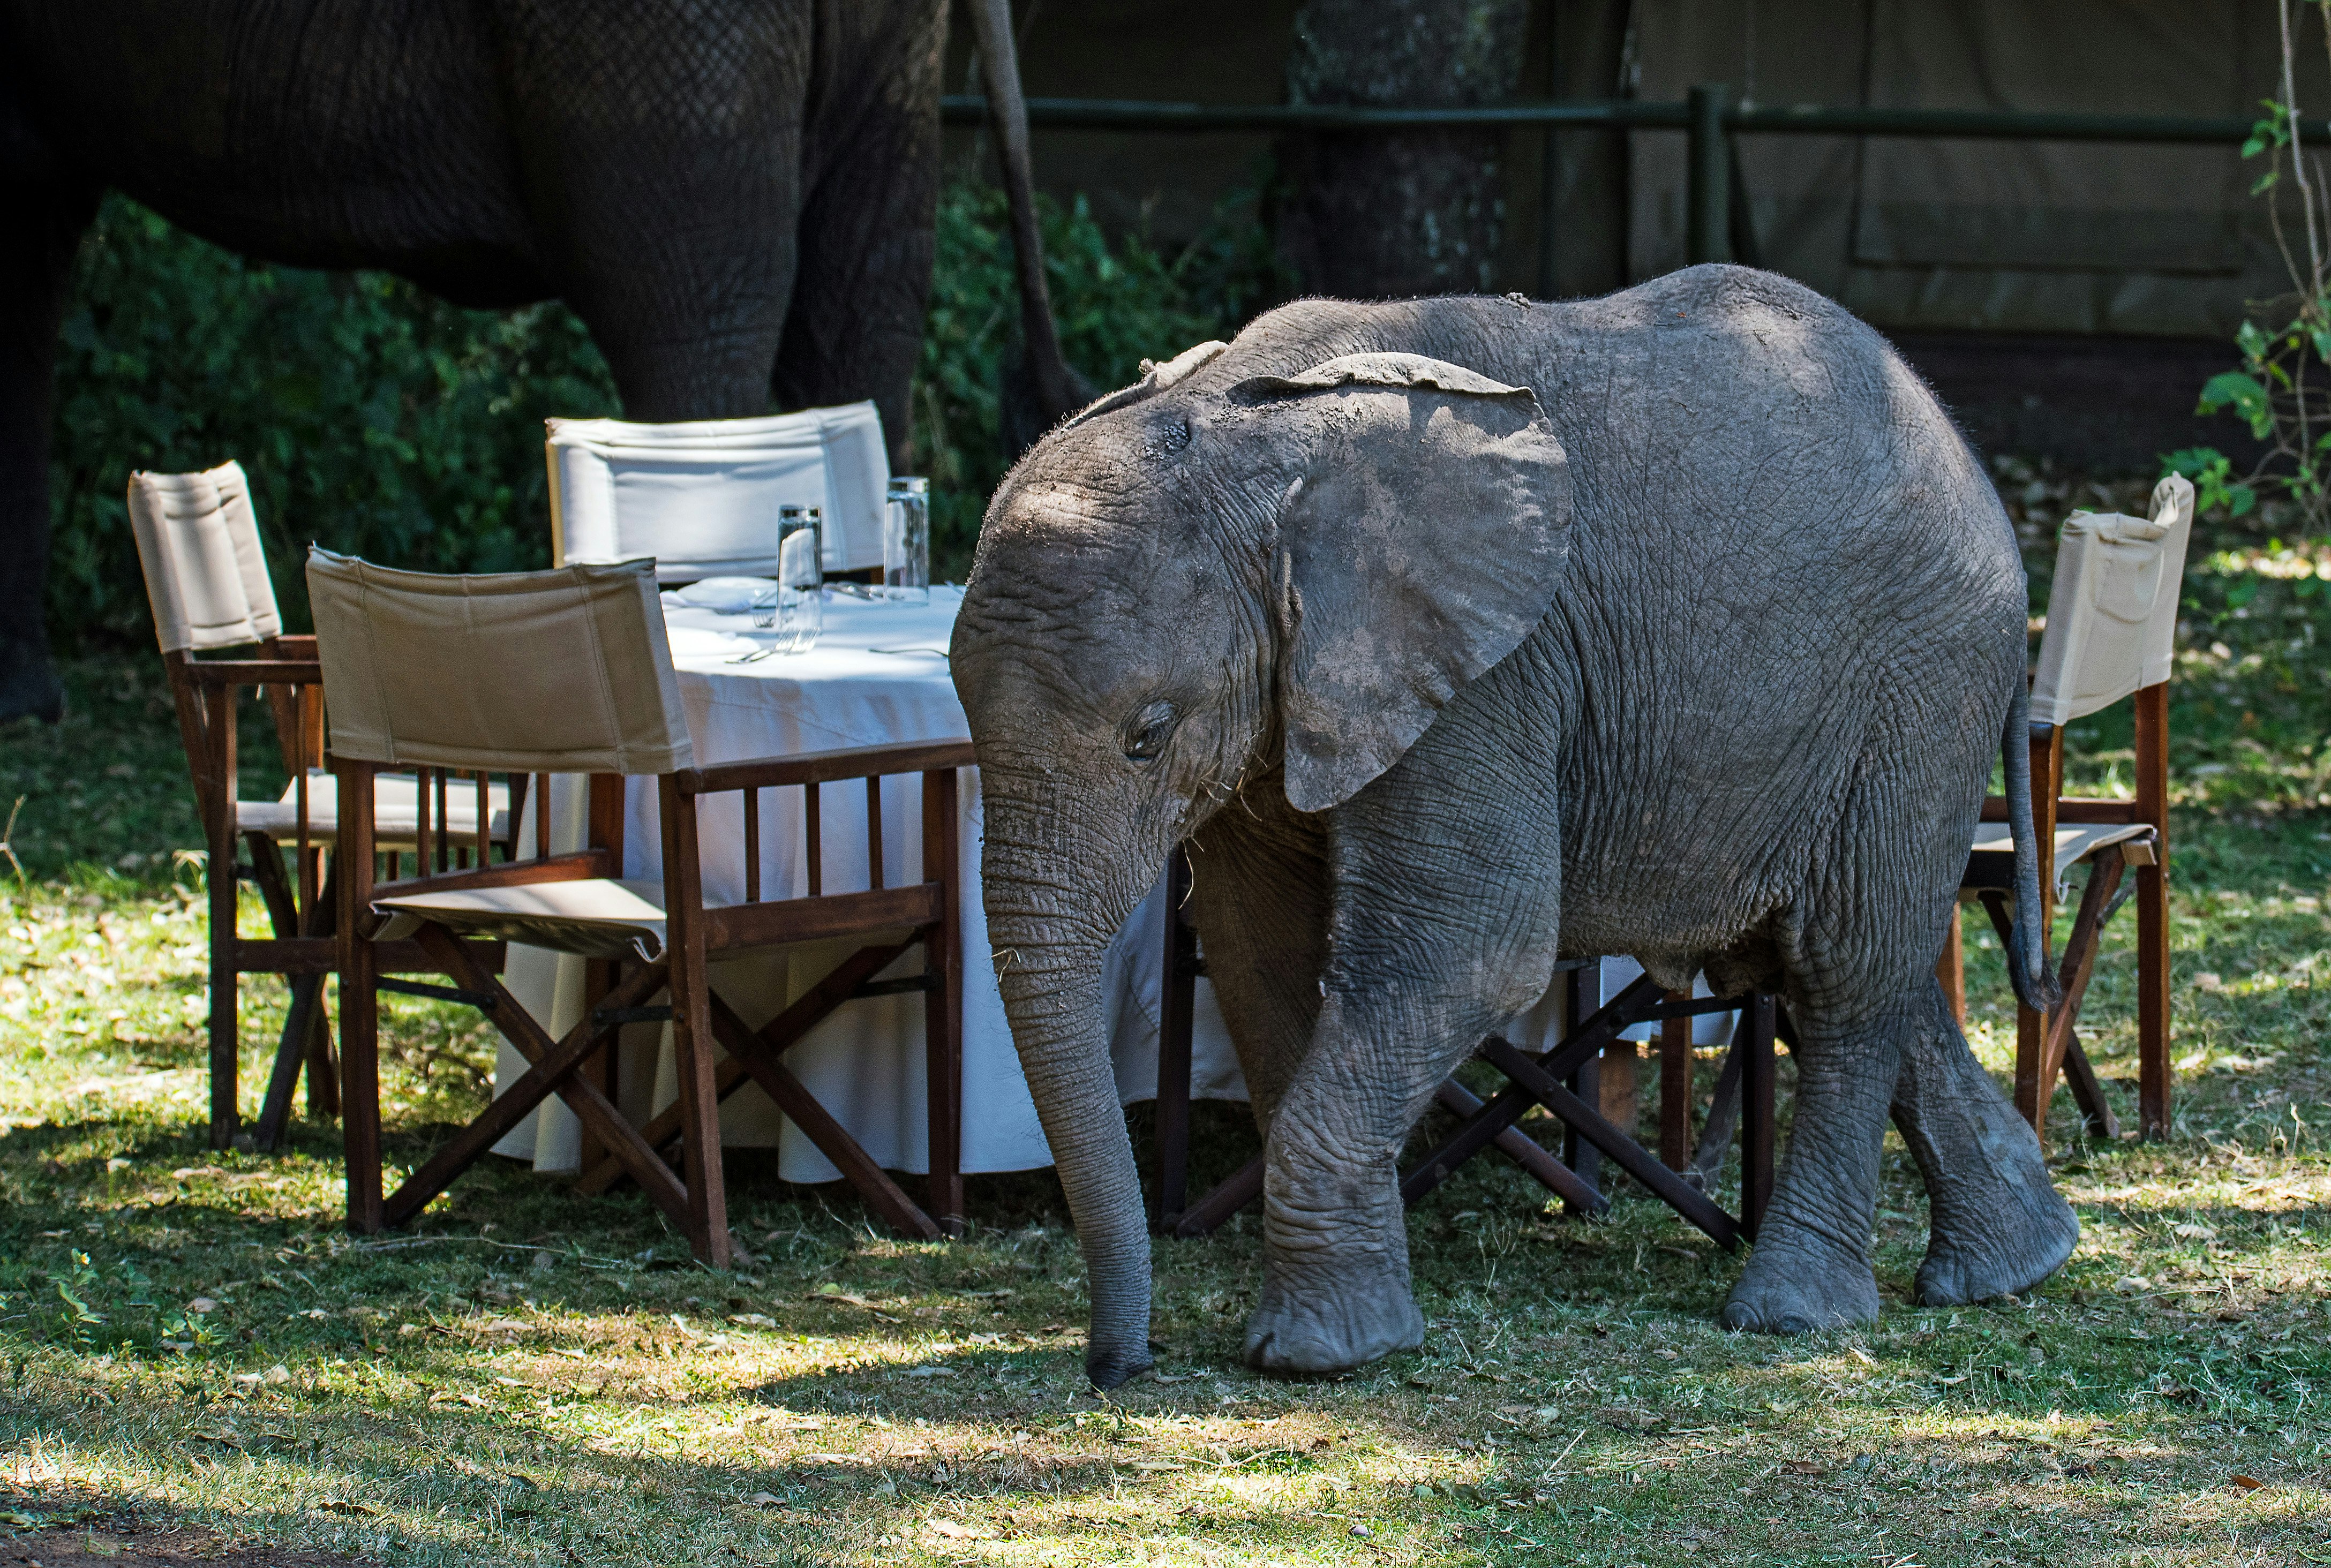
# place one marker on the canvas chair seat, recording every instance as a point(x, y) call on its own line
point(595, 917)
point(397, 821)
point(1991, 863)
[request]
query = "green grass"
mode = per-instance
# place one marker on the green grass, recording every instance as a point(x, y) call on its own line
point(534, 1378)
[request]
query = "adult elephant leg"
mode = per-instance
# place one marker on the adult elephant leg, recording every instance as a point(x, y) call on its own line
point(865, 237)
point(1998, 1224)
point(1259, 896)
point(1811, 1267)
point(1445, 913)
point(47, 220)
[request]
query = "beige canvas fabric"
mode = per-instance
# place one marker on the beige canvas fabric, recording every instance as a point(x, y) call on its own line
point(597, 918)
point(396, 810)
point(206, 574)
point(559, 672)
point(702, 498)
point(2112, 612)
point(2075, 842)
point(1913, 233)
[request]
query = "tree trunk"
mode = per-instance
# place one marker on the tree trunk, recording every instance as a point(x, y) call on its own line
point(1373, 215)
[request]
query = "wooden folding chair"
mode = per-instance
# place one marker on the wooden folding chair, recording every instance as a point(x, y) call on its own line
point(1585, 1080)
point(568, 671)
point(2111, 632)
point(207, 582)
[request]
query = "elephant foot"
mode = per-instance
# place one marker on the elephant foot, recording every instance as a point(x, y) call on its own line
point(1794, 1287)
point(2002, 1249)
point(1998, 1224)
point(1111, 1368)
point(1333, 1330)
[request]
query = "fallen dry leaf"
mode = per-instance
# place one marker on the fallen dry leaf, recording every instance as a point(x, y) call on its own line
point(2248, 1483)
point(956, 1532)
point(1626, 1419)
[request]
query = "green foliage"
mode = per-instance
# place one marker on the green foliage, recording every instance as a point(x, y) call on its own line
point(2282, 391)
point(372, 416)
point(1116, 306)
point(2214, 486)
point(376, 419)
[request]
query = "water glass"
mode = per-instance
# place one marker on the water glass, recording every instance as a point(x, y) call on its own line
point(907, 542)
point(799, 606)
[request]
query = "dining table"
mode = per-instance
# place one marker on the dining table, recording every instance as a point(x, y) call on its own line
point(876, 675)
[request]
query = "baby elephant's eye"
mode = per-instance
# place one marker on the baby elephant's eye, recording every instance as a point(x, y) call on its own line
point(1147, 731)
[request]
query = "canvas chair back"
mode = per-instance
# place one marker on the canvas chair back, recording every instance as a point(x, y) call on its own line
point(206, 574)
point(702, 498)
point(2112, 613)
point(559, 672)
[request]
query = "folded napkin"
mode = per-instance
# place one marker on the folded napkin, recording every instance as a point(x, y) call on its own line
point(722, 596)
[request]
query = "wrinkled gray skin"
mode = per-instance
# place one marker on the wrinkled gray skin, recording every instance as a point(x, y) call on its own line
point(1679, 623)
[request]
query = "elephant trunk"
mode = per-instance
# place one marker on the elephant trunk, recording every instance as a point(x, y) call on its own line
point(1048, 961)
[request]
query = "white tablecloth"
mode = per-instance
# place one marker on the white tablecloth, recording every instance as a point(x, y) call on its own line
point(879, 675)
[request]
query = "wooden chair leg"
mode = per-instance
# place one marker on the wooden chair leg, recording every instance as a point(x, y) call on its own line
point(943, 1003)
point(2030, 1049)
point(2153, 1000)
point(599, 978)
point(1675, 1089)
point(1706, 1162)
point(1756, 1127)
point(1581, 996)
point(691, 1032)
point(2079, 964)
point(760, 1060)
point(219, 882)
point(323, 1061)
point(306, 1040)
point(1951, 967)
point(359, 1010)
point(1178, 984)
point(1542, 1167)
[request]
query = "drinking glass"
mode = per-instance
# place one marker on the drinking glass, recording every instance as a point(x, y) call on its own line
point(907, 542)
point(801, 577)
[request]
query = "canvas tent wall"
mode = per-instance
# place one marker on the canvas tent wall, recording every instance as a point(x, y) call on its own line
point(1988, 235)
point(2064, 296)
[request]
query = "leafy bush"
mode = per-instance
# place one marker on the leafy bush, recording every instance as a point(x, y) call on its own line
point(1115, 307)
point(376, 419)
point(372, 416)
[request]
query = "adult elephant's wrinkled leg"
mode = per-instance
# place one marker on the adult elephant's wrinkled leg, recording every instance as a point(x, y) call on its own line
point(1998, 1224)
point(1811, 1266)
point(862, 275)
point(1445, 913)
point(35, 266)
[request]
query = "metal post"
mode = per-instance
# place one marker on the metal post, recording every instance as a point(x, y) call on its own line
point(1708, 180)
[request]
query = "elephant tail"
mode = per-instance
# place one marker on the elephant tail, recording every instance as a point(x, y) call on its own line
point(2036, 986)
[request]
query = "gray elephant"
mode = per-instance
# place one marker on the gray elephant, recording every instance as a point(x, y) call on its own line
point(1459, 635)
point(737, 199)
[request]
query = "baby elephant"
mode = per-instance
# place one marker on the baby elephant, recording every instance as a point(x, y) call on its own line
point(1461, 635)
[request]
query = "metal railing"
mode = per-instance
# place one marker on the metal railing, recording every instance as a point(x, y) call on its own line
point(1714, 208)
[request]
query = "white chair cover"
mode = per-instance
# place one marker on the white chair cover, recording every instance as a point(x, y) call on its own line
point(567, 670)
point(702, 498)
point(2112, 613)
point(206, 574)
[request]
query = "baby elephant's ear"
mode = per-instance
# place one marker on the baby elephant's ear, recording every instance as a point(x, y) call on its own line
point(1423, 540)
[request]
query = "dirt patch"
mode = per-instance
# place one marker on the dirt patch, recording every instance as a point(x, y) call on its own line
point(46, 1535)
